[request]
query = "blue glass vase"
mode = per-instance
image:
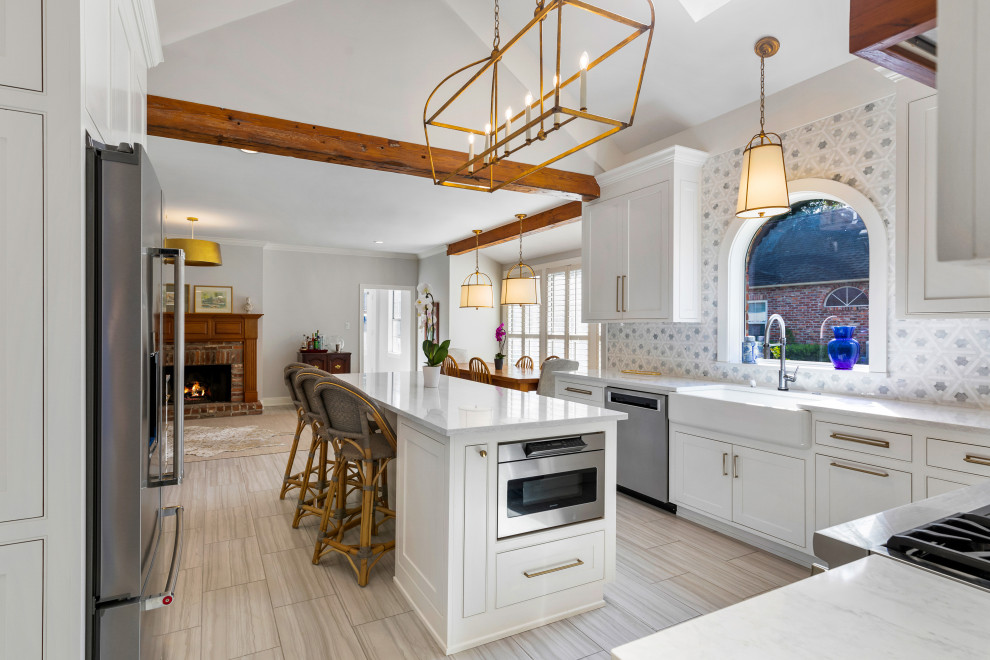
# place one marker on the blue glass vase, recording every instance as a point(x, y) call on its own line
point(843, 351)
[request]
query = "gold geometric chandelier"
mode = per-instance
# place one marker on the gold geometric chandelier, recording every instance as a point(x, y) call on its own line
point(486, 142)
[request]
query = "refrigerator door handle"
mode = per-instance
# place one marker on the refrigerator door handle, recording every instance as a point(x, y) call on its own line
point(178, 258)
point(166, 597)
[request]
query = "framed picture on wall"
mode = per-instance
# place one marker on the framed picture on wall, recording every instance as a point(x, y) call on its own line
point(213, 299)
point(168, 301)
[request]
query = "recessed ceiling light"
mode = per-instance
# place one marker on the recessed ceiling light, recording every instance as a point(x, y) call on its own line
point(249, 151)
point(379, 242)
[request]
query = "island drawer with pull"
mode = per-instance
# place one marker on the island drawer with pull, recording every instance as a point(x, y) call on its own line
point(959, 456)
point(846, 490)
point(538, 570)
point(865, 440)
point(578, 391)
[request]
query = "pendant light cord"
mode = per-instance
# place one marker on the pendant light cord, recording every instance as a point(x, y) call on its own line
point(763, 61)
point(520, 244)
point(496, 42)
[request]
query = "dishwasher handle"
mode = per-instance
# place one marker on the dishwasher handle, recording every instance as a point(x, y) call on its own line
point(650, 403)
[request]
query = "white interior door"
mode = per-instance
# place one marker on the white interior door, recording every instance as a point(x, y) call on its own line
point(388, 329)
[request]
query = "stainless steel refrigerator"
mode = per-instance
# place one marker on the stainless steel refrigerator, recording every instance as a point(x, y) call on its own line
point(134, 555)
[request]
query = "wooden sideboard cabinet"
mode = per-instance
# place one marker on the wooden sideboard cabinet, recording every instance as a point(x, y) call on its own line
point(335, 363)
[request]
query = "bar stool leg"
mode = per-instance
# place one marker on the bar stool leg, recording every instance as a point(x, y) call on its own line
point(290, 480)
point(367, 519)
point(305, 489)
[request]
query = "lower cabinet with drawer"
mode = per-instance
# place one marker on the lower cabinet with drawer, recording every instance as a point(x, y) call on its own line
point(538, 570)
point(846, 490)
point(959, 456)
point(864, 439)
point(579, 391)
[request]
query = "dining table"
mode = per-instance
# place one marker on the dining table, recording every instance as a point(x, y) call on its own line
point(509, 376)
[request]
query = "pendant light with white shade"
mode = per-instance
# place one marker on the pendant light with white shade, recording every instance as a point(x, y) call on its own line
point(476, 290)
point(521, 286)
point(763, 182)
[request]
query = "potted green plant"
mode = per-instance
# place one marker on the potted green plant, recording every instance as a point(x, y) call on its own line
point(500, 338)
point(435, 355)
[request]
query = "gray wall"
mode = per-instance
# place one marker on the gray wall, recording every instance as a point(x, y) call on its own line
point(435, 271)
point(242, 268)
point(307, 291)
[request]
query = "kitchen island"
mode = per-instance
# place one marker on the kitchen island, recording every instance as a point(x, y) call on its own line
point(468, 585)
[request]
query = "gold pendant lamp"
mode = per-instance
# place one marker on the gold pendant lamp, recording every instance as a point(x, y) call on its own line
point(520, 286)
point(763, 182)
point(476, 290)
point(198, 252)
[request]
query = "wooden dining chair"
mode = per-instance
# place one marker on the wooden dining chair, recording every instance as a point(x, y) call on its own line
point(449, 367)
point(525, 362)
point(479, 371)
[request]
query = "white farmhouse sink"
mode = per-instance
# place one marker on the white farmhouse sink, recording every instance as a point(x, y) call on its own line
point(765, 415)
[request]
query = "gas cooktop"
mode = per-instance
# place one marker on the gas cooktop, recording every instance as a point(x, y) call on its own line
point(957, 546)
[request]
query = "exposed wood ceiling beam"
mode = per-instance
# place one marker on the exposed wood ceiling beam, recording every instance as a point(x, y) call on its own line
point(195, 122)
point(555, 217)
point(877, 28)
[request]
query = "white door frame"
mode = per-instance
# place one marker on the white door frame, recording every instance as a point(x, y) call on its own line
point(414, 321)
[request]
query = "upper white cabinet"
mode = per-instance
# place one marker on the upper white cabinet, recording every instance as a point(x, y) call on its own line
point(925, 285)
point(22, 330)
point(21, 44)
point(640, 241)
point(964, 133)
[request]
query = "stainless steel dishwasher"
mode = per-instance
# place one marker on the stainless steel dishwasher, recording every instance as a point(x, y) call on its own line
point(643, 448)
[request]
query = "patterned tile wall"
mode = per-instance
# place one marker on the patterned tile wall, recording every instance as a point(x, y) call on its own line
point(944, 361)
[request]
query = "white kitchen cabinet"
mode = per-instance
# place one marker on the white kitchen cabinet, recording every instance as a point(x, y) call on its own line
point(925, 285)
point(475, 529)
point(22, 297)
point(768, 492)
point(22, 588)
point(641, 241)
point(579, 391)
point(701, 474)
point(846, 490)
point(21, 44)
point(964, 133)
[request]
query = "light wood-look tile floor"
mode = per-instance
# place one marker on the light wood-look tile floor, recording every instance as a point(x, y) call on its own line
point(248, 589)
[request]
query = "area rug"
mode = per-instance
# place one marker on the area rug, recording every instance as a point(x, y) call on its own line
point(207, 441)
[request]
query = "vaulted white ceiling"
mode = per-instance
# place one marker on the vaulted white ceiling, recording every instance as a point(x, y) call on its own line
point(368, 67)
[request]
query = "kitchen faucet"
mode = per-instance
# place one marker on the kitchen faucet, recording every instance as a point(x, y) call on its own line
point(783, 378)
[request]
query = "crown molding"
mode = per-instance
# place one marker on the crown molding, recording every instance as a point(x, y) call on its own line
point(675, 154)
point(151, 39)
point(313, 249)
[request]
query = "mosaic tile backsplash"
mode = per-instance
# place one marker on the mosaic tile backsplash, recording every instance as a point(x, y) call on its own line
point(942, 361)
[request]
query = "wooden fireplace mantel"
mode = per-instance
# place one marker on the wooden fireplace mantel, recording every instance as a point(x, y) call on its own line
point(225, 327)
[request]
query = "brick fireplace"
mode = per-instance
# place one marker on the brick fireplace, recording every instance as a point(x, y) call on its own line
point(221, 364)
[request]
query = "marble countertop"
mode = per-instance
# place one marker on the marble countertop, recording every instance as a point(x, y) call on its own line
point(874, 608)
point(855, 539)
point(463, 406)
point(950, 417)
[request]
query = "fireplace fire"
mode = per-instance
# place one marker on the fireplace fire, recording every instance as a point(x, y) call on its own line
point(206, 383)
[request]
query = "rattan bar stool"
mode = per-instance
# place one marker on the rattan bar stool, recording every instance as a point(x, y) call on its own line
point(362, 439)
point(303, 418)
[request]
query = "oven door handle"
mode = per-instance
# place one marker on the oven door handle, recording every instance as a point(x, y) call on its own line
point(541, 453)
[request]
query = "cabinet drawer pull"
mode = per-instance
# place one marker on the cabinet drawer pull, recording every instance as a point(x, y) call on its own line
point(856, 469)
point(978, 460)
point(863, 441)
point(483, 453)
point(735, 466)
point(725, 470)
point(576, 562)
point(617, 279)
point(578, 391)
point(624, 294)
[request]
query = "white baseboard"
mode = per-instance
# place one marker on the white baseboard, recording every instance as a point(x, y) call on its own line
point(790, 554)
point(276, 401)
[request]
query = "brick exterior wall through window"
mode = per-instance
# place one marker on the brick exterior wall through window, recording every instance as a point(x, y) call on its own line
point(803, 309)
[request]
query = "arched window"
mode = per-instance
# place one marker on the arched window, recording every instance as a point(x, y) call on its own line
point(815, 266)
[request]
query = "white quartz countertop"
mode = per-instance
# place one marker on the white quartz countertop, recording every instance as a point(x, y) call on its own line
point(463, 406)
point(951, 417)
point(873, 608)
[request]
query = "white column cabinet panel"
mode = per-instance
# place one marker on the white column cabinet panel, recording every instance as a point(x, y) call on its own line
point(702, 474)
point(603, 261)
point(647, 227)
point(22, 317)
point(927, 286)
point(846, 490)
point(21, 44)
point(21, 597)
point(768, 493)
point(475, 529)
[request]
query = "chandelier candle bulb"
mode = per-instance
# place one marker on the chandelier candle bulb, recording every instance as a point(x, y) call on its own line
point(584, 80)
point(488, 140)
point(556, 102)
point(508, 128)
point(471, 152)
point(529, 117)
